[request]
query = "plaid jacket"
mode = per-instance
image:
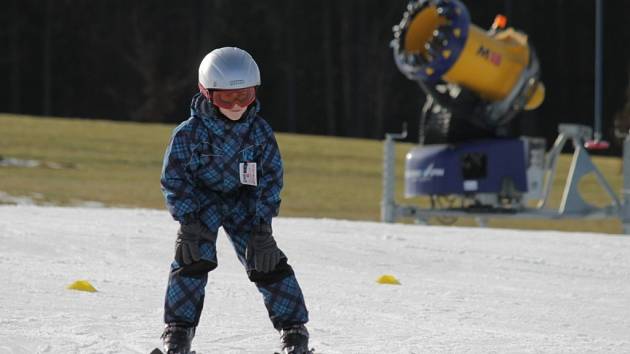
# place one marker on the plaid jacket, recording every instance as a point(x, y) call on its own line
point(200, 174)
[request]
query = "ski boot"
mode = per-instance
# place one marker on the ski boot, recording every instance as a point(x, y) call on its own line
point(294, 340)
point(177, 338)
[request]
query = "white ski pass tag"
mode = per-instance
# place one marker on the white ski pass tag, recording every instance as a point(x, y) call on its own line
point(247, 171)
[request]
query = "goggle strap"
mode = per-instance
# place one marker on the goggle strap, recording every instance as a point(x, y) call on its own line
point(205, 92)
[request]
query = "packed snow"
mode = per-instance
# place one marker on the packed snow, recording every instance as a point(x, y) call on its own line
point(462, 289)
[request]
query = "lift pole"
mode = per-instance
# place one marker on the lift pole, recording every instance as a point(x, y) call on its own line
point(598, 69)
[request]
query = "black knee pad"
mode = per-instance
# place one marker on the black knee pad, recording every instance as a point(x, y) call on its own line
point(282, 270)
point(196, 269)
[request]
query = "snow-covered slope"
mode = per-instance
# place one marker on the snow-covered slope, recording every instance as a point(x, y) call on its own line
point(463, 289)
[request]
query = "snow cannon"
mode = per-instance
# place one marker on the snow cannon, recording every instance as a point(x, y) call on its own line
point(476, 81)
point(468, 160)
point(436, 43)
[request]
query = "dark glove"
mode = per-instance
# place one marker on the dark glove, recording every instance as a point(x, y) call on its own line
point(187, 244)
point(263, 250)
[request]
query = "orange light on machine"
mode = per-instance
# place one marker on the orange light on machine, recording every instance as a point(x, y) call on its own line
point(500, 22)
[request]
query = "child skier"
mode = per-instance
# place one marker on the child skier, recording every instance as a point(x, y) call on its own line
point(223, 168)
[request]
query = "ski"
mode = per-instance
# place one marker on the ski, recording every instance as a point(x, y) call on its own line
point(158, 351)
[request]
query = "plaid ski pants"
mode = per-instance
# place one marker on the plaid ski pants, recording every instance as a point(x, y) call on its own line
point(282, 295)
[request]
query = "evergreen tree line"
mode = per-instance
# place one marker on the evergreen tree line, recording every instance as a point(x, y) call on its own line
point(326, 65)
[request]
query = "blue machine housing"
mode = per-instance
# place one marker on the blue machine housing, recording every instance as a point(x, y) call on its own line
point(482, 166)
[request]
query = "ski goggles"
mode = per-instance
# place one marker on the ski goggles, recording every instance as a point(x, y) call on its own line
point(228, 98)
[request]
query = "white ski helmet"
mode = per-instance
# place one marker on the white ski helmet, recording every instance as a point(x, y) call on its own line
point(228, 68)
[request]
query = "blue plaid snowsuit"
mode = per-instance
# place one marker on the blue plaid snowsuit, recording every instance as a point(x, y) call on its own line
point(200, 179)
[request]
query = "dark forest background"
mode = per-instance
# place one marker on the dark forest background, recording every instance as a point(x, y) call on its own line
point(326, 65)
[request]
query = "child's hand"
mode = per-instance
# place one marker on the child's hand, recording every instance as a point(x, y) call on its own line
point(187, 243)
point(263, 249)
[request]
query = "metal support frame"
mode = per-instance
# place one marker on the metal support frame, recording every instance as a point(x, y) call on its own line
point(389, 209)
point(572, 205)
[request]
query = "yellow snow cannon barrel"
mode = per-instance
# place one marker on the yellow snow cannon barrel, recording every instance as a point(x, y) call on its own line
point(436, 42)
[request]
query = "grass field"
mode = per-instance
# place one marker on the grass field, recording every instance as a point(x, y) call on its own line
point(119, 163)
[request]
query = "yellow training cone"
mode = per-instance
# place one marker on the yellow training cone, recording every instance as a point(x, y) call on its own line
point(388, 279)
point(82, 285)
